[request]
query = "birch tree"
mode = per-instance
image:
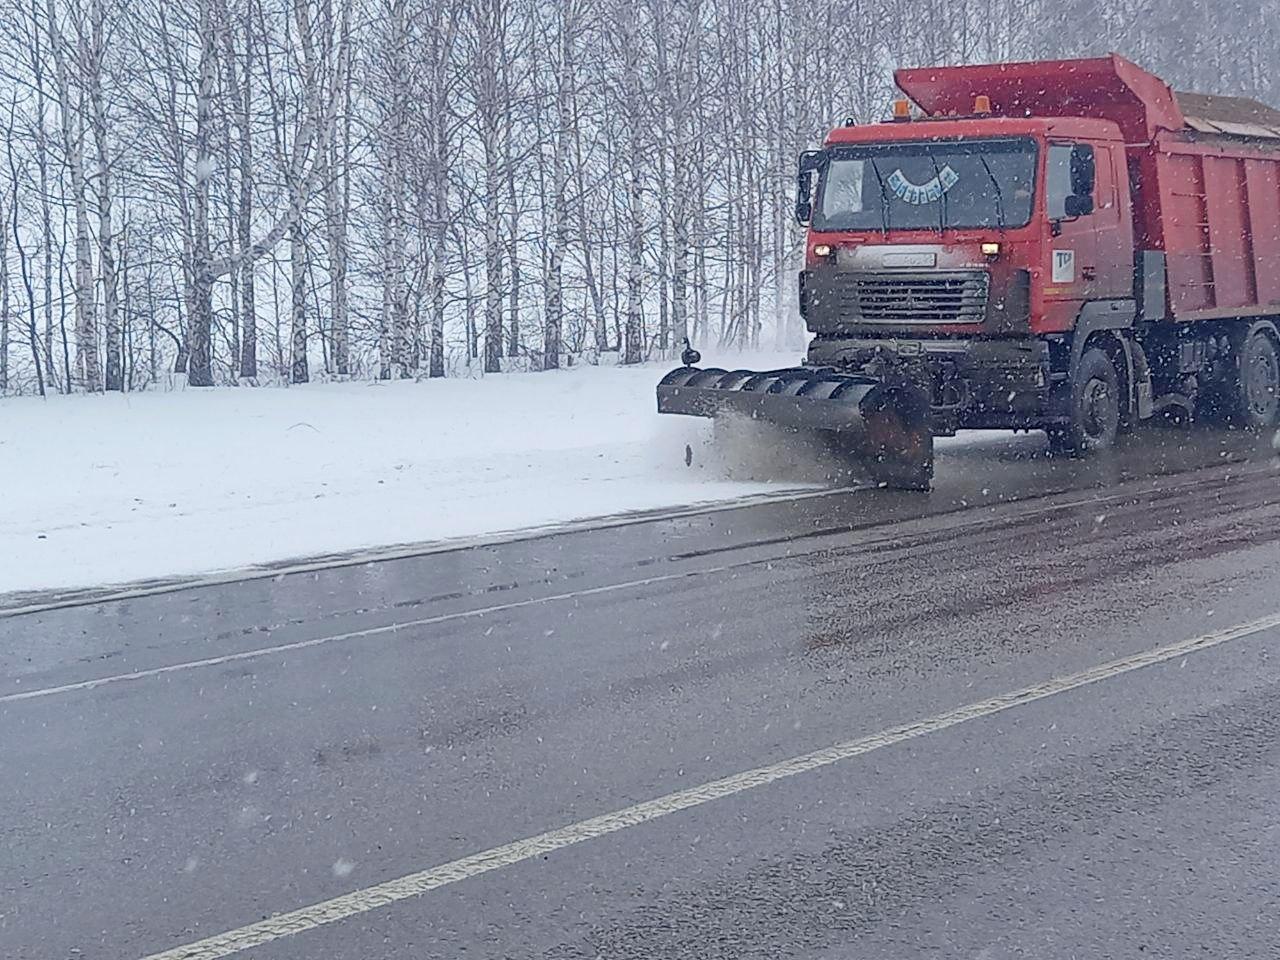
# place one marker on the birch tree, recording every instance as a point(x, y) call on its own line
point(626, 36)
point(200, 336)
point(72, 120)
point(489, 31)
point(95, 55)
point(568, 26)
point(238, 66)
point(4, 267)
point(337, 196)
point(438, 44)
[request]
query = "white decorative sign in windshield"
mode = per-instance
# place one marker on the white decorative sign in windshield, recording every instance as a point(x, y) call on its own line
point(924, 193)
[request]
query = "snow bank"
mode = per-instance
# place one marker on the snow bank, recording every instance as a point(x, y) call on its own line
point(108, 489)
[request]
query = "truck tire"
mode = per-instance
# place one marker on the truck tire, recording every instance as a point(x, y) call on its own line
point(1094, 410)
point(1256, 400)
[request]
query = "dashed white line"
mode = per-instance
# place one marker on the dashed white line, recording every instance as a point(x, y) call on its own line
point(415, 884)
point(399, 625)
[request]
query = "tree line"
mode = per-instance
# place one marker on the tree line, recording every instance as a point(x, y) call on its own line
point(271, 190)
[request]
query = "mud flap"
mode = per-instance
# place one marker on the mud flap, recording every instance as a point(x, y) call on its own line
point(883, 423)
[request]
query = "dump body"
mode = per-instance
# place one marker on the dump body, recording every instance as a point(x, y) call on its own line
point(1215, 213)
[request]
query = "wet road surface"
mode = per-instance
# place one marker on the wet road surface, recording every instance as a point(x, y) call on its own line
point(184, 764)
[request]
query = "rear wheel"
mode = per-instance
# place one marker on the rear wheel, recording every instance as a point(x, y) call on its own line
point(1257, 400)
point(1094, 412)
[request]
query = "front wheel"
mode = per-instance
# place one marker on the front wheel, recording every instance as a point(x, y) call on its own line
point(1094, 412)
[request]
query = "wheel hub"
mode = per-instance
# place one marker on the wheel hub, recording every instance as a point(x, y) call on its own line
point(1262, 379)
point(1097, 407)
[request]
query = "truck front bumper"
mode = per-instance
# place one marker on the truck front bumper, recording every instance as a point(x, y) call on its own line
point(975, 382)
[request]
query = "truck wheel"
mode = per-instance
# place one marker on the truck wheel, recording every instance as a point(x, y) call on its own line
point(1258, 391)
point(1095, 407)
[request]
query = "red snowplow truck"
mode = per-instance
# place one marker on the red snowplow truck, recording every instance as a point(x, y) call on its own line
point(1068, 246)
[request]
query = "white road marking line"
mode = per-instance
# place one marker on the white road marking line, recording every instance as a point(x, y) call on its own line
point(414, 884)
point(1032, 508)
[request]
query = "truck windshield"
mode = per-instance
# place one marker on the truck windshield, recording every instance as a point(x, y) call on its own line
point(921, 186)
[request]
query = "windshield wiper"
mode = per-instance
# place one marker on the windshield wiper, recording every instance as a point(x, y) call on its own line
point(884, 197)
point(999, 193)
point(942, 193)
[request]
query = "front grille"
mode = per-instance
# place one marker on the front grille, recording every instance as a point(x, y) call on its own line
point(959, 297)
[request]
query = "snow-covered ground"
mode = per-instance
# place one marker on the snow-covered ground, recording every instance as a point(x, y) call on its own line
point(105, 489)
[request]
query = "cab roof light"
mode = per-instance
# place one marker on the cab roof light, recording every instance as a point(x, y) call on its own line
point(902, 109)
point(982, 104)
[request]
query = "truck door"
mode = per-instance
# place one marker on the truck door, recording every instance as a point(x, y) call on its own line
point(1071, 203)
point(1113, 225)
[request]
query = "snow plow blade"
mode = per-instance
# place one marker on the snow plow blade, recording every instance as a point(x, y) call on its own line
point(883, 423)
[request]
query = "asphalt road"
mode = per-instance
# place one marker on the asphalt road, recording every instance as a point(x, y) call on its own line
point(1011, 718)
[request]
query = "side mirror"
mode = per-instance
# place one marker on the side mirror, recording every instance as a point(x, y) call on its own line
point(811, 161)
point(804, 205)
point(1078, 205)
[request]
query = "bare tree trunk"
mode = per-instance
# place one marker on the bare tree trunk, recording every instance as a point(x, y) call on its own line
point(320, 97)
point(633, 350)
point(664, 240)
point(400, 346)
point(600, 331)
point(173, 122)
point(554, 332)
point(25, 265)
point(299, 372)
point(62, 305)
point(698, 199)
point(126, 304)
point(397, 358)
point(4, 276)
point(788, 315)
point(338, 276)
point(240, 208)
point(442, 32)
point(469, 308)
point(385, 356)
point(493, 278)
point(153, 358)
point(436, 360)
point(337, 205)
point(106, 231)
point(490, 31)
point(440, 202)
point(681, 169)
point(513, 214)
point(229, 197)
point(200, 323)
point(46, 211)
point(73, 147)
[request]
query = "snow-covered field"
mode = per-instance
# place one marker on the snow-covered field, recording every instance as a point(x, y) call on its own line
point(104, 489)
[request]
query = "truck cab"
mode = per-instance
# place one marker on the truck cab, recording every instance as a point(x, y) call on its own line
point(969, 247)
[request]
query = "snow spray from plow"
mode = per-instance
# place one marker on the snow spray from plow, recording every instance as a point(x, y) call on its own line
point(882, 423)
